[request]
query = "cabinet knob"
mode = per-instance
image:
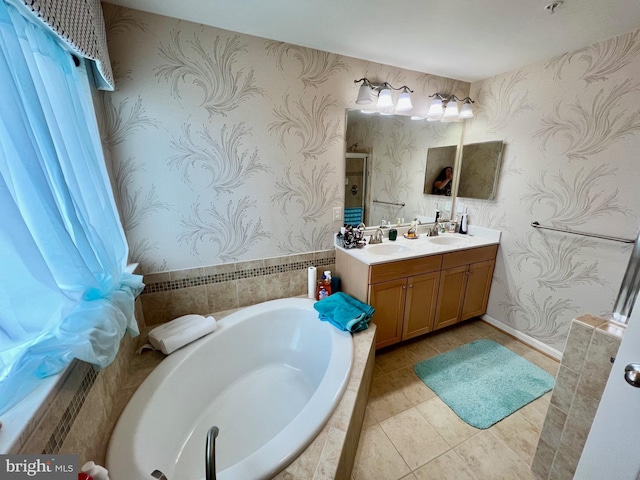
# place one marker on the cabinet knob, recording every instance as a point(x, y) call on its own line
point(410, 286)
point(404, 287)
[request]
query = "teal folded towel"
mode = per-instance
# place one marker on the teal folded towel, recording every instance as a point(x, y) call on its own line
point(344, 312)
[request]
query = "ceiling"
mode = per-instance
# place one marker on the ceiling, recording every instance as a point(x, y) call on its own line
point(463, 39)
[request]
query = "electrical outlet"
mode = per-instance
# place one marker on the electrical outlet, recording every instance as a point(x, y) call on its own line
point(447, 206)
point(460, 207)
point(337, 214)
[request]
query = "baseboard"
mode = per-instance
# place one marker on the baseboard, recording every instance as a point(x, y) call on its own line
point(523, 337)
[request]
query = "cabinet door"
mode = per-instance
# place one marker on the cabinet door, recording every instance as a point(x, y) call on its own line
point(450, 296)
point(388, 299)
point(420, 305)
point(478, 285)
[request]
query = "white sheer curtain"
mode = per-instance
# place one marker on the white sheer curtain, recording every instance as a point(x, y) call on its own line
point(64, 292)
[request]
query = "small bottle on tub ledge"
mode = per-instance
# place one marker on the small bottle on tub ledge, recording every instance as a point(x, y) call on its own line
point(324, 286)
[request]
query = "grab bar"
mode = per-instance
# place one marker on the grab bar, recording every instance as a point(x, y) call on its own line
point(210, 453)
point(390, 203)
point(535, 224)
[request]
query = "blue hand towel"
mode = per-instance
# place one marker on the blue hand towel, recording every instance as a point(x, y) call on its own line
point(344, 312)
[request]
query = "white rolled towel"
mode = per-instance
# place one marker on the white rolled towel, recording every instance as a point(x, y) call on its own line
point(96, 472)
point(180, 331)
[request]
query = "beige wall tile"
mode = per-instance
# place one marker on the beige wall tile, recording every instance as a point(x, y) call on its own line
point(251, 291)
point(219, 269)
point(377, 458)
point(565, 388)
point(564, 464)
point(303, 467)
point(189, 300)
point(543, 460)
point(553, 427)
point(579, 420)
point(575, 350)
point(150, 278)
point(186, 274)
point(157, 307)
point(277, 261)
point(277, 285)
point(330, 456)
point(222, 296)
point(298, 282)
point(597, 365)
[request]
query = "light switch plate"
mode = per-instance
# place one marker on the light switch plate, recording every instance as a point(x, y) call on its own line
point(337, 214)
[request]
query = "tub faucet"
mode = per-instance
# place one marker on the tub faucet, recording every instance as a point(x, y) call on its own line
point(377, 237)
point(210, 453)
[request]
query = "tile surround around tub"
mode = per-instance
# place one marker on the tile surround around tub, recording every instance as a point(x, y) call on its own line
point(217, 288)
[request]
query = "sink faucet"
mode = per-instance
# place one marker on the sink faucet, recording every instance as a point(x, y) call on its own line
point(433, 230)
point(377, 237)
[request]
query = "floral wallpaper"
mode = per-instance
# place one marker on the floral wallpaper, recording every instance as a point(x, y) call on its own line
point(571, 128)
point(225, 147)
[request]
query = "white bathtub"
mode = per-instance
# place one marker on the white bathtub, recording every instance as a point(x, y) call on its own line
point(269, 377)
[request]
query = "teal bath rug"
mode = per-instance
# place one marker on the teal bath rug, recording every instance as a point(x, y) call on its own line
point(484, 382)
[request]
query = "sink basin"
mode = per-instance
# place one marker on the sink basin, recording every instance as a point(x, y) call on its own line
point(387, 249)
point(448, 240)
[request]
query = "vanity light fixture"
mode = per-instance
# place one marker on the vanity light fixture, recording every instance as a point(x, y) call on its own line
point(444, 108)
point(383, 91)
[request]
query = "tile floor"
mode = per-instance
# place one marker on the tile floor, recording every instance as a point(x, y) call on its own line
point(410, 434)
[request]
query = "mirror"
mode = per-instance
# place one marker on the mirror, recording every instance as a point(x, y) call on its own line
point(479, 170)
point(438, 176)
point(393, 154)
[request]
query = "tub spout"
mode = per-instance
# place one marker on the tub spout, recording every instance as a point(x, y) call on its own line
point(159, 475)
point(210, 453)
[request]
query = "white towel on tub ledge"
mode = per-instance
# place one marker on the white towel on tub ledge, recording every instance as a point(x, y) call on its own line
point(179, 332)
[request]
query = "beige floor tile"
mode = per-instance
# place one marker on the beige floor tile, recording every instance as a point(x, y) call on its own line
point(377, 459)
point(536, 411)
point(385, 400)
point(447, 340)
point(411, 476)
point(520, 435)
point(511, 343)
point(415, 440)
point(448, 466)
point(395, 359)
point(406, 381)
point(546, 363)
point(481, 328)
point(446, 422)
point(369, 419)
point(490, 459)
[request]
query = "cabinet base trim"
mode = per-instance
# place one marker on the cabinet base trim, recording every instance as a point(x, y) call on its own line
point(532, 342)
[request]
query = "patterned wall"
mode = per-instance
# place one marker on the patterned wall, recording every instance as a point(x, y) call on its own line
point(227, 147)
point(571, 128)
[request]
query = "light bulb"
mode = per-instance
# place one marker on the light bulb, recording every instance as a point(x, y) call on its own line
point(364, 95)
point(451, 111)
point(404, 102)
point(466, 111)
point(435, 109)
point(384, 99)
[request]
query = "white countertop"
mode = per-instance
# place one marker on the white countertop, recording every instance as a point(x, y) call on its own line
point(403, 248)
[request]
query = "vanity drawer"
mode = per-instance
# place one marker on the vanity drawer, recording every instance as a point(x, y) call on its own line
point(466, 257)
point(404, 268)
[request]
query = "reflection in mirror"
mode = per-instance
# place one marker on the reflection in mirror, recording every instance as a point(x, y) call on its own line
point(438, 176)
point(396, 149)
point(479, 170)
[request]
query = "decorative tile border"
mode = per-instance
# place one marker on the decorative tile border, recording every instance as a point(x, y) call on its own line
point(237, 275)
point(70, 414)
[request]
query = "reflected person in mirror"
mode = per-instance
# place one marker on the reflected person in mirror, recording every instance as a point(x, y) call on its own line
point(442, 183)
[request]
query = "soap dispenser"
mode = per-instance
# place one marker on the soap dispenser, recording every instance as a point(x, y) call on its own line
point(463, 222)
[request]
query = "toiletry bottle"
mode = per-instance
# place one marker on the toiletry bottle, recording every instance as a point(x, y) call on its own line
point(463, 223)
point(324, 286)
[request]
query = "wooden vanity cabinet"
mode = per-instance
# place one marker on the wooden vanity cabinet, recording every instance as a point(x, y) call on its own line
point(465, 281)
point(404, 293)
point(415, 296)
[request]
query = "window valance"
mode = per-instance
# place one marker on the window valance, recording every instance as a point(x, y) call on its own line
point(80, 24)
